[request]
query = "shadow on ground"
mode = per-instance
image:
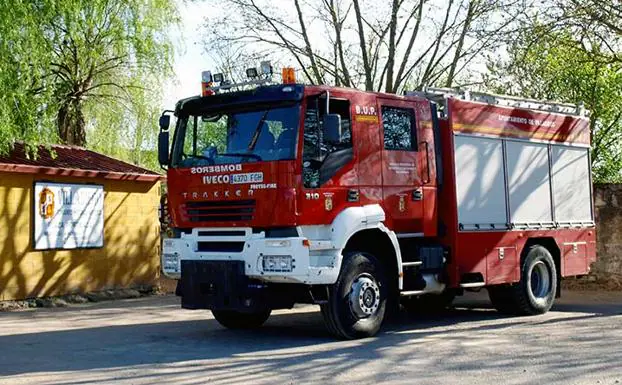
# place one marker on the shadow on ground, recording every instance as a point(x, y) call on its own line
point(161, 343)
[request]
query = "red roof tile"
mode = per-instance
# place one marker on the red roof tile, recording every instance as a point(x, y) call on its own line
point(72, 161)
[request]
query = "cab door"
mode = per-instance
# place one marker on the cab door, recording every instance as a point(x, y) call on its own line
point(402, 171)
point(329, 175)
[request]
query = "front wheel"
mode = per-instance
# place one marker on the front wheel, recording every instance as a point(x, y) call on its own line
point(357, 301)
point(232, 319)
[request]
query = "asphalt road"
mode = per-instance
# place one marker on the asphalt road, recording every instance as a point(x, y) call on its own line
point(152, 341)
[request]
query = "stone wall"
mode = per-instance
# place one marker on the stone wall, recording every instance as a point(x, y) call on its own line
point(608, 204)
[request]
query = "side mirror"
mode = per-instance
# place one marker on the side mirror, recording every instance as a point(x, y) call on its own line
point(331, 128)
point(165, 122)
point(163, 146)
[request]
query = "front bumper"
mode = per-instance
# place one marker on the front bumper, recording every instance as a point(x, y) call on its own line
point(222, 285)
point(268, 259)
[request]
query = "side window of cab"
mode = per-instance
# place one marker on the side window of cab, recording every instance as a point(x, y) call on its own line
point(399, 128)
point(322, 159)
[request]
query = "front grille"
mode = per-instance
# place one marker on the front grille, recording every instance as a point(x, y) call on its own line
point(218, 233)
point(232, 247)
point(220, 211)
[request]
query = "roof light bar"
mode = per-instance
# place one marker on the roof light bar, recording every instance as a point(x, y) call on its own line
point(213, 83)
point(266, 68)
point(206, 76)
point(252, 73)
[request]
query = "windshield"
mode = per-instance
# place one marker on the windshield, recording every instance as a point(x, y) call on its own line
point(236, 137)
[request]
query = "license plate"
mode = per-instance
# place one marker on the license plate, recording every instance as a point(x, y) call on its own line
point(249, 177)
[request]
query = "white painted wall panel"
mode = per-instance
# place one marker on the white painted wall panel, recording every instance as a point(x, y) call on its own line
point(571, 184)
point(479, 180)
point(528, 182)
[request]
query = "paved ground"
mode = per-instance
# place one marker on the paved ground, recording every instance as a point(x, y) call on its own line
point(152, 341)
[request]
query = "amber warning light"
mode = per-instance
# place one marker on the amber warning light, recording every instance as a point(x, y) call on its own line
point(289, 76)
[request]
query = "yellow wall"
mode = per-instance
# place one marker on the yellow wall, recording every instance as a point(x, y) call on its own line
point(129, 258)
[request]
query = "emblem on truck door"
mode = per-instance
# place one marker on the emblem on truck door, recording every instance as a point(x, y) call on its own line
point(328, 202)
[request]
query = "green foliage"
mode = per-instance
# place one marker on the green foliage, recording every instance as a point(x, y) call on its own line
point(23, 64)
point(207, 134)
point(72, 70)
point(555, 66)
point(129, 130)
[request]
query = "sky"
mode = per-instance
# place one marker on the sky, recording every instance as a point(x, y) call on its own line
point(190, 58)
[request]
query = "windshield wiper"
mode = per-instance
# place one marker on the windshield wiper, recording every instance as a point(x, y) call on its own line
point(255, 139)
point(242, 155)
point(210, 160)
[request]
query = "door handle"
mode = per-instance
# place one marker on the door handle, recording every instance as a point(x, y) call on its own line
point(417, 195)
point(427, 161)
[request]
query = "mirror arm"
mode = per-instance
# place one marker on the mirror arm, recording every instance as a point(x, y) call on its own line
point(327, 102)
point(163, 139)
point(164, 113)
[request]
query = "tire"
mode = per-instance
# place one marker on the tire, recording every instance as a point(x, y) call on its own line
point(535, 292)
point(357, 302)
point(232, 319)
point(429, 303)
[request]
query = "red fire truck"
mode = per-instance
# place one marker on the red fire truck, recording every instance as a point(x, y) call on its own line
point(359, 201)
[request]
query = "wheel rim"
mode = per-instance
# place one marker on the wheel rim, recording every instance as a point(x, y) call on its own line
point(540, 280)
point(364, 296)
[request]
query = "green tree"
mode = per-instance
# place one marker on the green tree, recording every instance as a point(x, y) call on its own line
point(554, 65)
point(72, 67)
point(590, 21)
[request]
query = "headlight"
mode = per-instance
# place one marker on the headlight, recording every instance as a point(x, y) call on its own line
point(170, 262)
point(277, 263)
point(168, 243)
point(278, 243)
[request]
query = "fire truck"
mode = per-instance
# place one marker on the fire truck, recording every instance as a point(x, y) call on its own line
point(361, 201)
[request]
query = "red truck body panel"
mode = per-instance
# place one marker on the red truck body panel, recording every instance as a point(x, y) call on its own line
point(266, 205)
point(478, 251)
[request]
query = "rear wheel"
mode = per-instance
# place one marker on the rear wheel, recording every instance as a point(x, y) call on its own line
point(357, 301)
point(535, 292)
point(232, 319)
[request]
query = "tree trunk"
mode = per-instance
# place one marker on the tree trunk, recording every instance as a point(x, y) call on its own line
point(369, 85)
point(71, 124)
point(400, 73)
point(439, 39)
point(467, 25)
point(391, 54)
point(337, 25)
point(319, 79)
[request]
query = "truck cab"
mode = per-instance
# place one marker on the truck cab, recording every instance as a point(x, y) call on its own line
point(274, 147)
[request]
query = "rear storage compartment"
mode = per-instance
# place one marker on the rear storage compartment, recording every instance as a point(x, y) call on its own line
point(504, 183)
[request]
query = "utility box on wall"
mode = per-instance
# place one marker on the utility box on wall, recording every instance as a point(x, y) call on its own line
point(76, 221)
